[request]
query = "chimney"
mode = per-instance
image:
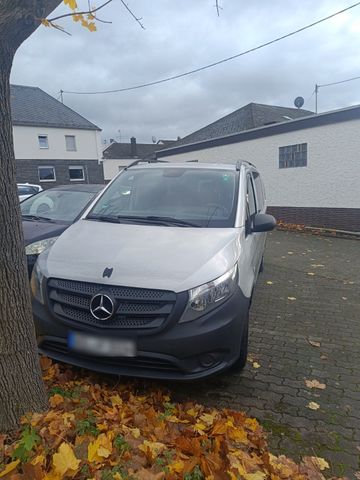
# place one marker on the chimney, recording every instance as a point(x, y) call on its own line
point(111, 140)
point(133, 152)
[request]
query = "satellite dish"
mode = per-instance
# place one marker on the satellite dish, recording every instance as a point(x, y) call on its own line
point(299, 102)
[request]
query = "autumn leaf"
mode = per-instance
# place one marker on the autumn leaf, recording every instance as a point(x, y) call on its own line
point(71, 3)
point(315, 384)
point(313, 406)
point(269, 282)
point(155, 448)
point(100, 448)
point(55, 400)
point(311, 274)
point(314, 344)
point(45, 22)
point(9, 468)
point(255, 476)
point(318, 462)
point(91, 27)
point(64, 461)
point(292, 299)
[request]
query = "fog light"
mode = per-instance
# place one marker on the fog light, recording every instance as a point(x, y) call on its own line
point(209, 359)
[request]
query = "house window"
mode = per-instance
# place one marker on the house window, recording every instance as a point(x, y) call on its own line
point(47, 174)
point(43, 141)
point(293, 156)
point(76, 173)
point(70, 143)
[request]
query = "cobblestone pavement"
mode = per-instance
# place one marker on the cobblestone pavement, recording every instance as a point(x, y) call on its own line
point(309, 291)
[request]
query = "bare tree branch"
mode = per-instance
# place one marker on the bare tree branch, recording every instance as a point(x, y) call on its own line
point(133, 15)
point(87, 12)
point(218, 8)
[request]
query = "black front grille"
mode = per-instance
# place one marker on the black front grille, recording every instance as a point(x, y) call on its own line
point(135, 307)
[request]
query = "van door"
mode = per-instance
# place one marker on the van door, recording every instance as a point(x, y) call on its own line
point(260, 208)
point(251, 243)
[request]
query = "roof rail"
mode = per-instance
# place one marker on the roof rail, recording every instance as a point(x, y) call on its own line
point(238, 165)
point(141, 160)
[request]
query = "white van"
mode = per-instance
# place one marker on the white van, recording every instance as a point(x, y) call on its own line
point(156, 279)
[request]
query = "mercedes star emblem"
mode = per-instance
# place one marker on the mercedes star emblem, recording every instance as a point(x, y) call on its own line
point(102, 306)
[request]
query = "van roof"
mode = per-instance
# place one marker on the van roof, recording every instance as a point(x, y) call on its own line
point(203, 165)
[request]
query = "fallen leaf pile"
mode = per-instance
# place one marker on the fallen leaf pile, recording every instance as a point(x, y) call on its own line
point(108, 431)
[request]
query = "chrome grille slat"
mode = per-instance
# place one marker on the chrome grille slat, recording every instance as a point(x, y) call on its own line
point(135, 307)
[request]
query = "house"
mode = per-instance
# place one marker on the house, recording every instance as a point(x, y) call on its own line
point(119, 155)
point(53, 144)
point(309, 162)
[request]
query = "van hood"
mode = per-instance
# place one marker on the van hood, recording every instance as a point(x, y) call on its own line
point(144, 256)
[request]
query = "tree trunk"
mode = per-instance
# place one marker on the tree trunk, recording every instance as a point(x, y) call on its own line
point(21, 386)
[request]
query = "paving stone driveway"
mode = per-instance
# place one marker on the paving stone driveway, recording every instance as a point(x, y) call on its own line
point(322, 276)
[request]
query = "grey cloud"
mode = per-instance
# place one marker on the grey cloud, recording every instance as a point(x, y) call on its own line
point(186, 34)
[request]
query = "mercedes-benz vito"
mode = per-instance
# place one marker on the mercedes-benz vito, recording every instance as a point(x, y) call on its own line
point(156, 278)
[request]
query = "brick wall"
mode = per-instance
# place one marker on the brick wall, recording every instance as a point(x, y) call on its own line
point(27, 171)
point(338, 218)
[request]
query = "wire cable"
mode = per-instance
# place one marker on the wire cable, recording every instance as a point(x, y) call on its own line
point(210, 65)
point(337, 83)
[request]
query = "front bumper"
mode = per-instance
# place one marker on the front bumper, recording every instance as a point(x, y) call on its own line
point(184, 351)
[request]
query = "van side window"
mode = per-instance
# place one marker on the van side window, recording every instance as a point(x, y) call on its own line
point(260, 196)
point(250, 198)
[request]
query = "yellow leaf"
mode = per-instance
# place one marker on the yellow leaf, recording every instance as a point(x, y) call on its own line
point(192, 412)
point(9, 468)
point(77, 17)
point(84, 23)
point(238, 435)
point(255, 476)
point(311, 274)
point(315, 384)
point(251, 424)
point(314, 344)
point(199, 428)
point(313, 406)
point(156, 448)
point(208, 418)
point(64, 460)
point(319, 462)
point(39, 459)
point(269, 282)
point(45, 22)
point(92, 27)
point(72, 4)
point(100, 448)
point(55, 400)
point(116, 400)
point(256, 365)
point(176, 467)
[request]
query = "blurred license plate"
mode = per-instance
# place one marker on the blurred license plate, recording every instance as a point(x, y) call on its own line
point(101, 346)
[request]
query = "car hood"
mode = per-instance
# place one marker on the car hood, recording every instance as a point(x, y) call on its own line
point(35, 231)
point(144, 256)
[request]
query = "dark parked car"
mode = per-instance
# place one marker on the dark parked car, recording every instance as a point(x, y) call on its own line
point(46, 215)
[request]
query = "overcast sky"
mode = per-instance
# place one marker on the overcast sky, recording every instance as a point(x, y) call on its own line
point(185, 34)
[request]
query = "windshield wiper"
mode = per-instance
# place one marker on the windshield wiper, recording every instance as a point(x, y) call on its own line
point(152, 219)
point(103, 218)
point(37, 218)
point(174, 221)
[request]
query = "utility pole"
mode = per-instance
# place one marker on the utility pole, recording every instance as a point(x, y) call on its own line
point(316, 97)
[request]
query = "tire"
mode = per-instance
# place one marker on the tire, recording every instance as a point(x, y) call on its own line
point(241, 361)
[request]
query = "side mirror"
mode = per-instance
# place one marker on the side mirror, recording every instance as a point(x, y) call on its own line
point(263, 222)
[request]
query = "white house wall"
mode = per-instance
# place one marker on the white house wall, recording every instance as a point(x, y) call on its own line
point(88, 144)
point(332, 175)
point(112, 166)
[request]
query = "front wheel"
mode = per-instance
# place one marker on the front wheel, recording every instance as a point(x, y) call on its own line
point(241, 361)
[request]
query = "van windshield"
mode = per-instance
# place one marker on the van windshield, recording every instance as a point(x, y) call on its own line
point(193, 197)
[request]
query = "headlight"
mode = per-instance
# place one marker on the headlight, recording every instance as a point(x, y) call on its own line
point(37, 247)
point(208, 296)
point(36, 283)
